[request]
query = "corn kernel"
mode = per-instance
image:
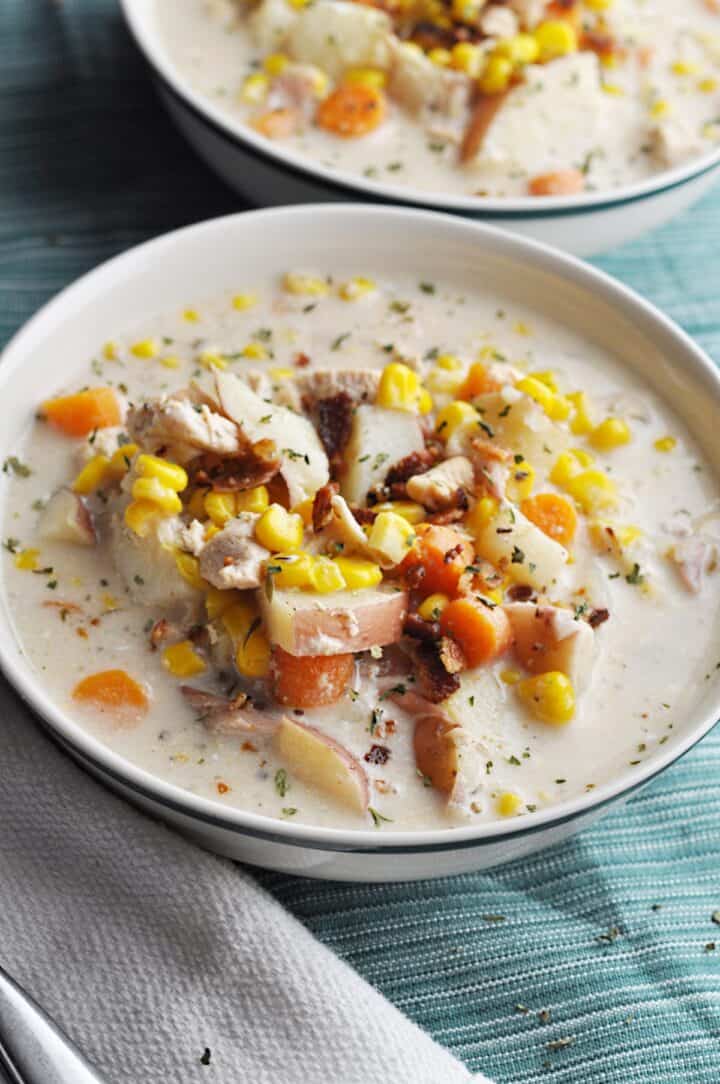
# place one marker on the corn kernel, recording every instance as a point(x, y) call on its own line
point(659, 108)
point(92, 475)
point(356, 287)
point(409, 510)
point(685, 67)
point(454, 415)
point(467, 58)
point(599, 5)
point(592, 490)
point(449, 362)
point(510, 677)
point(244, 301)
point(326, 576)
point(196, 503)
point(256, 500)
point(611, 433)
point(550, 697)
point(290, 569)
point(110, 351)
point(279, 373)
point(305, 510)
point(496, 76)
point(538, 391)
point(191, 316)
point(220, 507)
point(109, 602)
point(521, 328)
point(151, 489)
point(238, 618)
point(275, 63)
point(358, 572)
point(482, 513)
point(568, 464)
point(708, 86)
point(27, 560)
point(581, 423)
point(310, 285)
point(256, 351)
point(145, 348)
point(253, 653)
point(521, 481)
point(431, 607)
point(278, 530)
point(189, 568)
point(170, 361)
point(373, 78)
point(299, 4)
point(217, 601)
point(614, 89)
point(211, 359)
point(519, 49)
point(211, 529)
point(255, 88)
point(467, 11)
point(400, 389)
point(169, 474)
point(664, 444)
point(441, 57)
point(391, 536)
point(139, 515)
point(508, 804)
point(555, 38)
point(182, 660)
point(613, 539)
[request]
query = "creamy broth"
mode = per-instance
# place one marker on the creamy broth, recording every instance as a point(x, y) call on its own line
point(76, 615)
point(611, 117)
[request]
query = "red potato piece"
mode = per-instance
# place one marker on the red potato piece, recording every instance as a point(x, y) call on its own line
point(345, 621)
point(317, 759)
point(549, 638)
point(66, 518)
point(436, 753)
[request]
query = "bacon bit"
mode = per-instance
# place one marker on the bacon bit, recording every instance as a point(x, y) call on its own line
point(451, 656)
point(334, 423)
point(390, 726)
point(484, 113)
point(96, 621)
point(487, 450)
point(301, 360)
point(363, 515)
point(248, 747)
point(520, 592)
point(434, 683)
point(597, 617)
point(414, 576)
point(222, 788)
point(82, 632)
point(254, 466)
point(420, 629)
point(377, 754)
point(602, 44)
point(159, 632)
point(410, 465)
point(322, 510)
point(450, 555)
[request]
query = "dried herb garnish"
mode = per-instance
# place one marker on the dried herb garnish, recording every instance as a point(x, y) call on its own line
point(378, 818)
point(517, 556)
point(282, 783)
point(14, 465)
point(636, 576)
point(206, 1055)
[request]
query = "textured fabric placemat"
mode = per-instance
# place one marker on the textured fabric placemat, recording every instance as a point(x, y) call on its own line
point(602, 969)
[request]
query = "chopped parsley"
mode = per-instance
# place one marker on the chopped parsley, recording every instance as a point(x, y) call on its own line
point(378, 818)
point(282, 783)
point(18, 468)
point(337, 343)
point(518, 556)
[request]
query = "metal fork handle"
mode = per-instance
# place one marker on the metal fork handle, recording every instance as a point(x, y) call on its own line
point(33, 1049)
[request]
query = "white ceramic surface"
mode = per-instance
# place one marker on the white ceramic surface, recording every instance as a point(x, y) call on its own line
point(202, 261)
point(269, 175)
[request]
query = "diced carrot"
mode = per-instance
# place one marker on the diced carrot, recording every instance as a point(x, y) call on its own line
point(77, 415)
point(563, 182)
point(310, 681)
point(113, 691)
point(477, 382)
point(482, 631)
point(437, 560)
point(554, 515)
point(567, 10)
point(277, 123)
point(352, 110)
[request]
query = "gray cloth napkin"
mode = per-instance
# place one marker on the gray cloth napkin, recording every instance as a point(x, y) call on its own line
point(148, 950)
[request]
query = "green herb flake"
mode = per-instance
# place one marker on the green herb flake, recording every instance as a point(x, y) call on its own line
point(636, 576)
point(13, 465)
point(337, 343)
point(282, 783)
point(427, 287)
point(378, 818)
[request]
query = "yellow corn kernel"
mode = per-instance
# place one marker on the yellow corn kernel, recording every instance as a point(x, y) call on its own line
point(358, 572)
point(253, 653)
point(279, 373)
point(665, 444)
point(109, 602)
point(546, 377)
point(211, 529)
point(145, 348)
point(217, 601)
point(220, 507)
point(254, 89)
point(612, 539)
point(356, 287)
point(191, 316)
point(555, 38)
point(599, 5)
point(568, 464)
point(496, 76)
point(290, 569)
point(550, 697)
point(305, 510)
point(299, 4)
point(139, 515)
point(409, 510)
point(611, 433)
point(481, 513)
point(196, 503)
point(275, 63)
point(508, 804)
point(256, 499)
point(110, 351)
point(120, 462)
point(581, 423)
point(685, 67)
point(326, 576)
point(613, 89)
point(211, 359)
point(311, 285)
point(278, 530)
point(521, 481)
point(708, 86)
point(256, 351)
point(182, 660)
point(238, 618)
point(400, 389)
point(449, 362)
point(454, 415)
point(92, 475)
point(391, 536)
point(431, 607)
point(441, 57)
point(467, 58)
point(467, 11)
point(519, 49)
point(537, 391)
point(189, 568)
point(373, 78)
point(510, 677)
point(244, 301)
point(26, 560)
point(592, 490)
point(659, 108)
point(170, 361)
point(169, 474)
point(152, 489)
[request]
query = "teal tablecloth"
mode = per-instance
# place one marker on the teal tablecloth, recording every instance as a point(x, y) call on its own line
point(89, 165)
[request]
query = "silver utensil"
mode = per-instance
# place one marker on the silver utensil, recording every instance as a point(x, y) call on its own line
point(33, 1050)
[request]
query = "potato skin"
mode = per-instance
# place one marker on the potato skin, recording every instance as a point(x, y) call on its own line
point(436, 753)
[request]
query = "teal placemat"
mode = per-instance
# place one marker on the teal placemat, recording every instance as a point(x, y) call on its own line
point(603, 968)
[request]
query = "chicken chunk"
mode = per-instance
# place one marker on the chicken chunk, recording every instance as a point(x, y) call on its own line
point(437, 488)
point(182, 428)
point(232, 558)
point(147, 566)
point(337, 35)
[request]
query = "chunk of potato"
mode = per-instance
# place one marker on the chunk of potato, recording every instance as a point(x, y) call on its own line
point(304, 623)
point(529, 556)
point(337, 36)
point(549, 638)
point(321, 762)
point(379, 438)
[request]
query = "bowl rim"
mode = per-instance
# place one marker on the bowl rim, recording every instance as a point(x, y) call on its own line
point(92, 752)
point(348, 184)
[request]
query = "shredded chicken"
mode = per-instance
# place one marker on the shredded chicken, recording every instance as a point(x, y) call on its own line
point(182, 429)
point(440, 487)
point(232, 558)
point(693, 558)
point(222, 715)
point(360, 384)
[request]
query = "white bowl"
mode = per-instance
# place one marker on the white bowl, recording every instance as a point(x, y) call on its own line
point(269, 175)
point(159, 277)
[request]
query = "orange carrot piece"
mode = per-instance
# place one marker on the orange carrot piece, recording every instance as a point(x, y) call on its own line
point(310, 681)
point(352, 110)
point(437, 560)
point(477, 382)
point(77, 415)
point(563, 182)
point(113, 691)
point(277, 123)
point(482, 632)
point(567, 10)
point(554, 515)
